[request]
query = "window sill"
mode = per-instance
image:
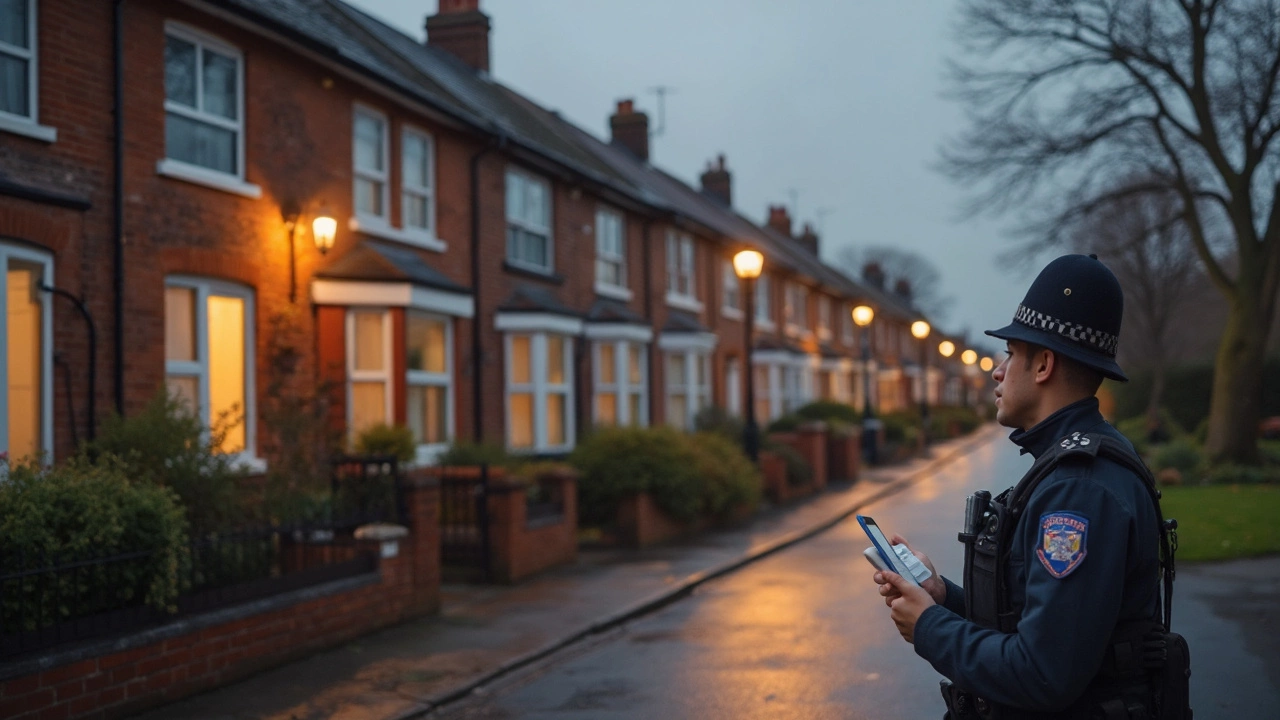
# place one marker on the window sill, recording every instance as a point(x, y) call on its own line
point(528, 271)
point(540, 451)
point(797, 331)
point(426, 455)
point(613, 291)
point(732, 313)
point(684, 302)
point(29, 128)
point(766, 325)
point(250, 464)
point(380, 229)
point(179, 170)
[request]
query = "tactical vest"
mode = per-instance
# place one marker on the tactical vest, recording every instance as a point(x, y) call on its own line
point(1131, 683)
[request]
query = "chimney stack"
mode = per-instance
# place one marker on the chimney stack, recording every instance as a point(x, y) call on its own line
point(808, 239)
point(902, 289)
point(874, 275)
point(716, 181)
point(461, 30)
point(780, 219)
point(630, 129)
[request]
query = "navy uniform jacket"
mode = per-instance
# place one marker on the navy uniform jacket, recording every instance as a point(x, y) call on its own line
point(1066, 621)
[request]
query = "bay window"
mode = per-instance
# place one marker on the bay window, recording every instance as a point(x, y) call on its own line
point(539, 392)
point(429, 381)
point(688, 380)
point(369, 385)
point(621, 383)
point(26, 394)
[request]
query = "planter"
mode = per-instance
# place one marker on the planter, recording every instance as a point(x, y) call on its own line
point(641, 523)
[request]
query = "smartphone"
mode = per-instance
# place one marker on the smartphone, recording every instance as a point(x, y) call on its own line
point(884, 549)
point(873, 556)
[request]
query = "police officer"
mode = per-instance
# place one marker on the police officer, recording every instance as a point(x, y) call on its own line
point(1034, 634)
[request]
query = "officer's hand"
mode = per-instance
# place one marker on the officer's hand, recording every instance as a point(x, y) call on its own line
point(906, 609)
point(936, 587)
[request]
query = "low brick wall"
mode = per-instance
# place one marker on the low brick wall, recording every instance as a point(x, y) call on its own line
point(519, 547)
point(844, 457)
point(125, 675)
point(641, 523)
point(774, 470)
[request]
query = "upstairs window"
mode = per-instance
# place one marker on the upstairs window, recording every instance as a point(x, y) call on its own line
point(763, 316)
point(611, 251)
point(417, 168)
point(680, 285)
point(797, 299)
point(369, 133)
point(204, 101)
point(824, 318)
point(528, 222)
point(846, 324)
point(18, 59)
point(732, 289)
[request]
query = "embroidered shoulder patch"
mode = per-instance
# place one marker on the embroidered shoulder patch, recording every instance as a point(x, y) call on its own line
point(1062, 542)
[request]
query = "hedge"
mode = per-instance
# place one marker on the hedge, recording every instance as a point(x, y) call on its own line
point(1187, 393)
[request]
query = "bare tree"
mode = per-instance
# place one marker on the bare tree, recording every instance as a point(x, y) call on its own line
point(1143, 239)
point(1067, 97)
point(920, 275)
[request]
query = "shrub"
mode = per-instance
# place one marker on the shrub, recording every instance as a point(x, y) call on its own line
point(945, 418)
point(81, 511)
point(472, 454)
point(383, 439)
point(1242, 475)
point(1269, 451)
point(830, 411)
point(784, 423)
point(616, 462)
point(716, 419)
point(729, 478)
point(1135, 429)
point(166, 444)
point(1182, 455)
point(1187, 392)
point(900, 427)
point(798, 471)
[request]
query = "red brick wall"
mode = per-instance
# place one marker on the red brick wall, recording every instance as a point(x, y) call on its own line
point(517, 550)
point(122, 683)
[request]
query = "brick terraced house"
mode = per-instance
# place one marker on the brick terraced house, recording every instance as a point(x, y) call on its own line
point(497, 273)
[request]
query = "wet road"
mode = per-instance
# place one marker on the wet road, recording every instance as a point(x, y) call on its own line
point(803, 634)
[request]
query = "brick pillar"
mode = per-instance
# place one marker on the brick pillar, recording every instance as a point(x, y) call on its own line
point(812, 438)
point(422, 503)
point(506, 505)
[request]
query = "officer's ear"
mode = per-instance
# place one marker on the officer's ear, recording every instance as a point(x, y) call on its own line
point(1044, 364)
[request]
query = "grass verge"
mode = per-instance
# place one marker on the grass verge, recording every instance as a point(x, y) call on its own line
point(1222, 522)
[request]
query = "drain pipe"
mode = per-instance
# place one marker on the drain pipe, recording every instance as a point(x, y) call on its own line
point(118, 219)
point(477, 361)
point(93, 354)
point(648, 312)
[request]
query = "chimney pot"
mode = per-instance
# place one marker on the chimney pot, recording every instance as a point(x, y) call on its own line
point(461, 30)
point(809, 239)
point(780, 219)
point(630, 129)
point(717, 181)
point(902, 289)
point(873, 274)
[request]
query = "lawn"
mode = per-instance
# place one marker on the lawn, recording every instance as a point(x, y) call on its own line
point(1220, 522)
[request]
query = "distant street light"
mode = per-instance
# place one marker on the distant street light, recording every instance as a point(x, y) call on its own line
point(969, 358)
point(947, 348)
point(862, 317)
point(747, 264)
point(920, 329)
point(987, 364)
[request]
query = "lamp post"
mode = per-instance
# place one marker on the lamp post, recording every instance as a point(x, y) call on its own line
point(920, 330)
point(968, 357)
point(747, 264)
point(946, 349)
point(862, 317)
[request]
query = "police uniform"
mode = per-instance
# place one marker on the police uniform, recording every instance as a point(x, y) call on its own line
point(1082, 558)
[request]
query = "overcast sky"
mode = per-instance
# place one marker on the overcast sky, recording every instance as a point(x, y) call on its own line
point(837, 101)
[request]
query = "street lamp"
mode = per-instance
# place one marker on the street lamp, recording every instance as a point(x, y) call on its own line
point(946, 349)
point(987, 364)
point(747, 264)
point(862, 317)
point(920, 329)
point(968, 357)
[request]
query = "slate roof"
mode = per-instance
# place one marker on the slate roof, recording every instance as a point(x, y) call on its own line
point(533, 298)
point(605, 310)
point(383, 262)
point(683, 322)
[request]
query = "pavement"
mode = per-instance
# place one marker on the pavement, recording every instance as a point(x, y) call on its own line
point(485, 632)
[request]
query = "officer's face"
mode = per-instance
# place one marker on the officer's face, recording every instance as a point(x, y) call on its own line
point(1015, 388)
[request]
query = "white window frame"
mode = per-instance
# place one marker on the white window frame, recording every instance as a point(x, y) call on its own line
point(679, 249)
point(732, 300)
point(205, 287)
point(385, 376)
point(416, 235)
point(622, 388)
point(523, 224)
point(846, 324)
point(231, 182)
point(28, 125)
point(606, 257)
point(540, 388)
point(733, 386)
point(795, 309)
point(27, 254)
point(697, 396)
point(364, 218)
point(824, 317)
point(764, 318)
point(427, 453)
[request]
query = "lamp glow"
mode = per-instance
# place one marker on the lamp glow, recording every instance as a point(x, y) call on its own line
point(863, 315)
point(986, 364)
point(325, 228)
point(969, 357)
point(748, 264)
point(920, 329)
point(947, 348)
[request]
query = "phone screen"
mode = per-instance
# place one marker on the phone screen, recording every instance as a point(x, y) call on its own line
point(883, 546)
